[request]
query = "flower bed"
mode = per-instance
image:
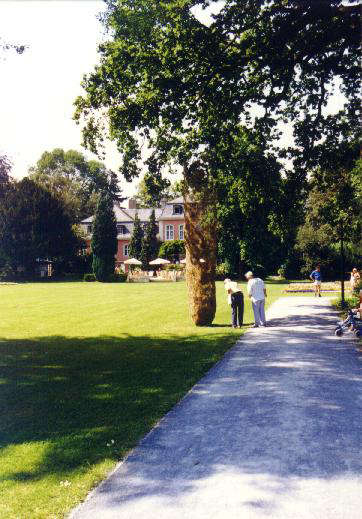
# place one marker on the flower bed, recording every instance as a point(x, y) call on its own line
point(329, 286)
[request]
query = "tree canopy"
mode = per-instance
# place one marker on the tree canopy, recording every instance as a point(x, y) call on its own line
point(5, 169)
point(189, 92)
point(184, 87)
point(153, 190)
point(75, 180)
point(33, 225)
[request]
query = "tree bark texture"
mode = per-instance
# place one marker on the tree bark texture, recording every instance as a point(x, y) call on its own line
point(201, 244)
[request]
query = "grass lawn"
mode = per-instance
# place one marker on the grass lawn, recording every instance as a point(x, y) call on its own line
point(86, 369)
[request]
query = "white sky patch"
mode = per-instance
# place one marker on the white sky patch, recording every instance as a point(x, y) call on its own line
point(204, 16)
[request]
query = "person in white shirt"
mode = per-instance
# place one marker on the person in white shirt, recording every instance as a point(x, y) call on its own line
point(236, 301)
point(257, 293)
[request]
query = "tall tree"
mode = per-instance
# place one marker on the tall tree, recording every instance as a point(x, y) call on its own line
point(75, 180)
point(150, 244)
point(153, 191)
point(33, 224)
point(135, 246)
point(186, 88)
point(333, 207)
point(5, 169)
point(258, 207)
point(104, 239)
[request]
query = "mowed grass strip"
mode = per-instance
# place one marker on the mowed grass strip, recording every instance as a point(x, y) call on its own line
point(86, 369)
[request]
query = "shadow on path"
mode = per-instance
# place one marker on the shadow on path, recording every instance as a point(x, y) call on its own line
point(282, 408)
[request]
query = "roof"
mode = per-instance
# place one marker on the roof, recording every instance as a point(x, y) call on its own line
point(143, 214)
point(178, 200)
point(124, 215)
point(168, 214)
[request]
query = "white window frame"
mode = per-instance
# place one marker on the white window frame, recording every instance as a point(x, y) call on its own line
point(169, 232)
point(122, 229)
point(179, 206)
point(181, 230)
point(126, 250)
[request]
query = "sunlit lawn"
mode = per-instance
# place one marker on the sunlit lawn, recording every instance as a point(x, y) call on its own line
point(86, 370)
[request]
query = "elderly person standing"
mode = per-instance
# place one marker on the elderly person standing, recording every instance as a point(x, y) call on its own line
point(257, 293)
point(236, 301)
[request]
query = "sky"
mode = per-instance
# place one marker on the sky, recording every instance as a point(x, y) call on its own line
point(38, 88)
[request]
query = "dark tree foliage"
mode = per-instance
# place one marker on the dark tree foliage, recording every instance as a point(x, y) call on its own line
point(172, 250)
point(150, 244)
point(258, 208)
point(165, 76)
point(104, 239)
point(5, 179)
point(75, 180)
point(135, 245)
point(331, 233)
point(152, 191)
point(33, 225)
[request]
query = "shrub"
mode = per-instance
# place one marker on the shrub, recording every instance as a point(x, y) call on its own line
point(357, 288)
point(172, 249)
point(174, 266)
point(6, 273)
point(222, 271)
point(89, 277)
point(120, 277)
point(71, 276)
point(350, 302)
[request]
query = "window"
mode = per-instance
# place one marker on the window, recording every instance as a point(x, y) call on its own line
point(122, 229)
point(169, 232)
point(178, 209)
point(181, 232)
point(89, 229)
point(126, 249)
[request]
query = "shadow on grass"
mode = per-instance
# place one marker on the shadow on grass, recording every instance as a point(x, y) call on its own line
point(79, 394)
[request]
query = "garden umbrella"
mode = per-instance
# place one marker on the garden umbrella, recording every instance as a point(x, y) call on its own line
point(133, 261)
point(159, 261)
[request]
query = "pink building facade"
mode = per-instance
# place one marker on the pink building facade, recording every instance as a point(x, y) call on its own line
point(170, 220)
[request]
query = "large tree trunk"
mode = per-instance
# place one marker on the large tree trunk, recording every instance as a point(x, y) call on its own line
point(201, 251)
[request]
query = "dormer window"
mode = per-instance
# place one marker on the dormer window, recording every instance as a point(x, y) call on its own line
point(122, 229)
point(178, 209)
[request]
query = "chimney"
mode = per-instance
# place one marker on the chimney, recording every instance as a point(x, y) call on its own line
point(132, 203)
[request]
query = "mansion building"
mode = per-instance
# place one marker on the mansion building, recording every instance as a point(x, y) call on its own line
point(169, 218)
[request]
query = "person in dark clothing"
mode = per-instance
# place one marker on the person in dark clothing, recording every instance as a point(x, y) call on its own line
point(236, 301)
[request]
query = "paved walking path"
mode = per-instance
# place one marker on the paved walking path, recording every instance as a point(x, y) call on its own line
point(273, 431)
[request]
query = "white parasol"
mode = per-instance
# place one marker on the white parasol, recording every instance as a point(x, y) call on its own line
point(133, 261)
point(159, 261)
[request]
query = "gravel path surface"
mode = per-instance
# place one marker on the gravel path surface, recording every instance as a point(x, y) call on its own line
point(272, 431)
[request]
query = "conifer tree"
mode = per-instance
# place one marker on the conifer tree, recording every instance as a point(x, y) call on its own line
point(150, 243)
point(104, 240)
point(135, 246)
